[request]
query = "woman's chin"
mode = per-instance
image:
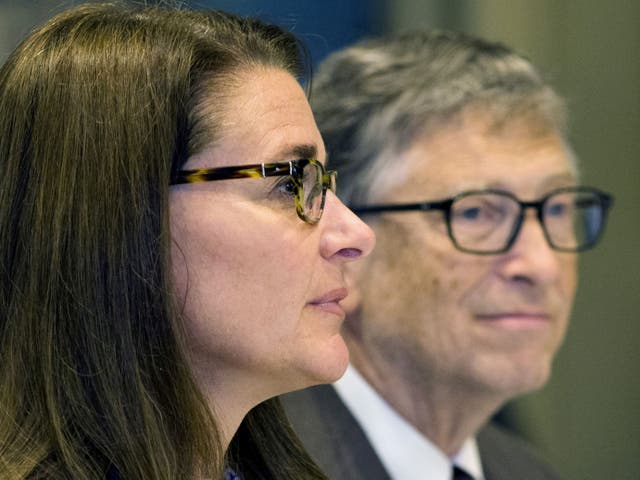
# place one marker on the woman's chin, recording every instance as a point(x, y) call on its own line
point(326, 366)
point(317, 366)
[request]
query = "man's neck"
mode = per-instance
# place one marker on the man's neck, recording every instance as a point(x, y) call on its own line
point(443, 412)
point(411, 455)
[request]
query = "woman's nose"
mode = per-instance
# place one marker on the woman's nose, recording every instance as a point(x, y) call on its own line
point(345, 237)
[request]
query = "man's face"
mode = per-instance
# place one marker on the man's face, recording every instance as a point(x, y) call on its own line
point(441, 317)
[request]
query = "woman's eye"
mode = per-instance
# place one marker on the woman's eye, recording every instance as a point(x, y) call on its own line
point(285, 187)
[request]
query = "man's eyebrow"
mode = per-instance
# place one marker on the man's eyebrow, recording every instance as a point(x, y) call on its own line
point(563, 177)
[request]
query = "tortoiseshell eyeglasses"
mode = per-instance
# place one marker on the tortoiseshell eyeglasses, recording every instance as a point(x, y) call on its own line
point(308, 184)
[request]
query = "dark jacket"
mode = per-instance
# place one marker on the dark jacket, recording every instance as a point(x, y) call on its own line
point(336, 441)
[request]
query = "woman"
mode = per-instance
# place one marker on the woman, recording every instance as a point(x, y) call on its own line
point(171, 251)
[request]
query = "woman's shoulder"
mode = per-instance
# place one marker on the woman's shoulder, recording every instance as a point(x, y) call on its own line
point(231, 475)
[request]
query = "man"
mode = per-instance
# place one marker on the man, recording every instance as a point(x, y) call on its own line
point(453, 150)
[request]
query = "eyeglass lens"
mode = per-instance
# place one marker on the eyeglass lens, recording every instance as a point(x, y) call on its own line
point(573, 220)
point(312, 198)
point(487, 222)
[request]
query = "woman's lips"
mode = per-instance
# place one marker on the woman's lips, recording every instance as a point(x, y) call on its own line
point(330, 302)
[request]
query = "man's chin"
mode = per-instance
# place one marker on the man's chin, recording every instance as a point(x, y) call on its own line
point(514, 378)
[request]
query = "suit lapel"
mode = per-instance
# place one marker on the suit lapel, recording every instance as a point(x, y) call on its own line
point(332, 435)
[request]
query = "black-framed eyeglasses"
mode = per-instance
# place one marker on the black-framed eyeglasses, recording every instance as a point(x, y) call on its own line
point(309, 181)
point(488, 221)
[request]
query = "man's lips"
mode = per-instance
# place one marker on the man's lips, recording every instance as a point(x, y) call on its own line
point(330, 301)
point(516, 319)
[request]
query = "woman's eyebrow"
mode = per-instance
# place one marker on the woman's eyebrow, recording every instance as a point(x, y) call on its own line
point(295, 152)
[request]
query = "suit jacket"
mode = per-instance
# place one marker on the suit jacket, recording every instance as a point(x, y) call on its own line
point(334, 438)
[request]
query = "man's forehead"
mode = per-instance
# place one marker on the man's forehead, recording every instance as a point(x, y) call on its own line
point(472, 155)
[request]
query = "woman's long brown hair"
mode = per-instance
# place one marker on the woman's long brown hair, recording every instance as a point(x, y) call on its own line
point(97, 108)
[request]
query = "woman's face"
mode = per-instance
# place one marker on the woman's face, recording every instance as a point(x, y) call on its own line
point(260, 288)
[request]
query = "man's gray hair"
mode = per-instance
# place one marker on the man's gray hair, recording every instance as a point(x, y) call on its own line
point(373, 99)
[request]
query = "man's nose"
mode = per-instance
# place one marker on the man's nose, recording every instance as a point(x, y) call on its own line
point(531, 256)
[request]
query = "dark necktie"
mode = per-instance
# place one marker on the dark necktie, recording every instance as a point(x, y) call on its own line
point(459, 474)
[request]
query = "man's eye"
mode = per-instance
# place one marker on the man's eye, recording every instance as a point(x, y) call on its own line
point(469, 213)
point(476, 214)
point(557, 209)
point(480, 214)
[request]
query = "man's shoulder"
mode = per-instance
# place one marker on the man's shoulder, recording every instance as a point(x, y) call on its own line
point(311, 408)
point(505, 456)
point(334, 438)
point(332, 435)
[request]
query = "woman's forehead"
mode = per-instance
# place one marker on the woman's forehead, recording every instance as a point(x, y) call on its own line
point(266, 120)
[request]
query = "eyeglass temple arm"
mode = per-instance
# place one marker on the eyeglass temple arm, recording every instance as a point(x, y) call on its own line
point(402, 207)
point(275, 169)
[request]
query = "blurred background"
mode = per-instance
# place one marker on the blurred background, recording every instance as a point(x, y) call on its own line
point(586, 422)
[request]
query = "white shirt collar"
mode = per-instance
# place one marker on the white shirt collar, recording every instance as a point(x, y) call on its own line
point(405, 453)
